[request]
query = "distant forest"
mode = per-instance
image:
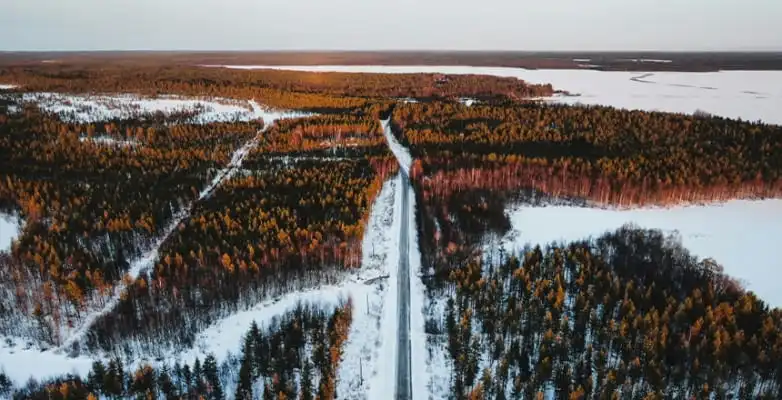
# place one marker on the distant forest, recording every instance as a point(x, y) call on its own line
point(604, 61)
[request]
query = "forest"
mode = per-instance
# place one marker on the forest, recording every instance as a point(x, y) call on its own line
point(602, 154)
point(90, 208)
point(243, 213)
point(471, 162)
point(627, 315)
point(320, 92)
point(272, 231)
point(295, 357)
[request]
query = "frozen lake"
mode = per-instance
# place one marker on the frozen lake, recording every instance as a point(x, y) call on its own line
point(741, 235)
point(750, 95)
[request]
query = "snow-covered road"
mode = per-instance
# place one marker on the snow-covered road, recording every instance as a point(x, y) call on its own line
point(411, 380)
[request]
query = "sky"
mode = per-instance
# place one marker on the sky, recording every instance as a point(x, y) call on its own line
point(534, 25)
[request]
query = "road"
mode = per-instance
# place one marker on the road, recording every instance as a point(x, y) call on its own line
point(404, 388)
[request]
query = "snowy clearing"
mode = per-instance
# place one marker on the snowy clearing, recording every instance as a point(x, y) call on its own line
point(10, 227)
point(108, 141)
point(750, 95)
point(741, 235)
point(95, 108)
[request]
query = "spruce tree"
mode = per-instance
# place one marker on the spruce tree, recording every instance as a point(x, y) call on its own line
point(212, 378)
point(244, 388)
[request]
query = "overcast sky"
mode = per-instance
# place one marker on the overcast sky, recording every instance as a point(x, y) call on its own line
point(391, 24)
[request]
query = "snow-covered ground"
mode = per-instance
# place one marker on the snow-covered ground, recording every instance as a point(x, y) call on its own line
point(372, 337)
point(741, 235)
point(9, 230)
point(400, 152)
point(148, 258)
point(422, 370)
point(95, 108)
point(750, 95)
point(10, 352)
point(381, 340)
point(647, 60)
point(108, 141)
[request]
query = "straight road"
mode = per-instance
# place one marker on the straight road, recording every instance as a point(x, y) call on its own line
point(404, 388)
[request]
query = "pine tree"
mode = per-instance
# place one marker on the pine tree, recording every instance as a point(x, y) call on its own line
point(213, 378)
point(244, 388)
point(166, 385)
point(306, 381)
point(96, 377)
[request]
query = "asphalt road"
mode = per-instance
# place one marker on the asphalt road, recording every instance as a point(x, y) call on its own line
point(404, 389)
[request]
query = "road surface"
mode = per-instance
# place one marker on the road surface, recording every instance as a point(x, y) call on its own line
point(403, 379)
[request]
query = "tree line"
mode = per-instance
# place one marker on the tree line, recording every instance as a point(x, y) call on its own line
point(278, 88)
point(295, 356)
point(601, 153)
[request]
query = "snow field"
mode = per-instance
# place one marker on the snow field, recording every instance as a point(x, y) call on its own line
point(94, 108)
point(741, 235)
point(750, 95)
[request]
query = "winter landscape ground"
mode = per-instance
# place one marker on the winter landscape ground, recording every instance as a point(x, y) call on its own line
point(411, 225)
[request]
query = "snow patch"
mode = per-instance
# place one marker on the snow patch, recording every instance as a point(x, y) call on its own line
point(10, 227)
point(646, 60)
point(21, 364)
point(741, 235)
point(94, 108)
point(108, 141)
point(467, 101)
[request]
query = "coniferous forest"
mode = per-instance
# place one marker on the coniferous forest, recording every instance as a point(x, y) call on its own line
point(140, 232)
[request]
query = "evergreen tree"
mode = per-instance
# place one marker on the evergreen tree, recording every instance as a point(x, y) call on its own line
point(306, 381)
point(96, 378)
point(244, 387)
point(212, 377)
